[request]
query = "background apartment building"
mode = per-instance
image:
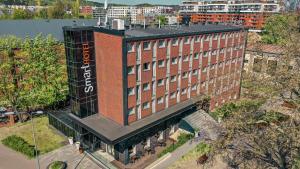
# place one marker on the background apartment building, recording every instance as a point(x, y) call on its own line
point(251, 14)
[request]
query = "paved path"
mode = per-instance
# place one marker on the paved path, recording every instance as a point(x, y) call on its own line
point(178, 153)
point(10, 159)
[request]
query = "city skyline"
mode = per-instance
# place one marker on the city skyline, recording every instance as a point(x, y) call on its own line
point(134, 2)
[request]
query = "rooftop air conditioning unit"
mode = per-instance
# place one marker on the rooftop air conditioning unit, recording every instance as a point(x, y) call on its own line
point(118, 24)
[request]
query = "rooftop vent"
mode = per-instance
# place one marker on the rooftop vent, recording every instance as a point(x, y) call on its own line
point(118, 24)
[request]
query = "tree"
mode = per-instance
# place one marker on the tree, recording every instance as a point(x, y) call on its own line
point(284, 30)
point(162, 19)
point(57, 11)
point(75, 8)
point(11, 72)
point(260, 139)
point(33, 73)
point(22, 14)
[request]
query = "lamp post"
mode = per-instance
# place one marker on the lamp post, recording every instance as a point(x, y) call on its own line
point(34, 141)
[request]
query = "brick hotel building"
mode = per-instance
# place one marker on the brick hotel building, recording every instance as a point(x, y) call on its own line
point(130, 88)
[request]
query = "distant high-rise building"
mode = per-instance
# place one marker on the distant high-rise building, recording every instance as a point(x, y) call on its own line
point(251, 14)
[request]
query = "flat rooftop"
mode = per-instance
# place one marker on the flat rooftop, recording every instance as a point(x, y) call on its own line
point(181, 29)
point(113, 132)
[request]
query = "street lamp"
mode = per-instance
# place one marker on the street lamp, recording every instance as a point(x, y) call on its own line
point(34, 141)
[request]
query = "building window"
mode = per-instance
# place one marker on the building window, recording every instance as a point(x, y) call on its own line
point(130, 47)
point(174, 61)
point(175, 41)
point(216, 36)
point(194, 87)
point(205, 54)
point(173, 95)
point(161, 63)
point(183, 91)
point(198, 39)
point(160, 82)
point(160, 100)
point(214, 52)
point(131, 91)
point(184, 75)
point(146, 86)
point(195, 72)
point(186, 58)
point(186, 40)
point(146, 66)
point(130, 70)
point(207, 37)
point(196, 56)
point(146, 45)
point(131, 111)
point(146, 105)
point(161, 43)
point(173, 78)
point(222, 50)
point(223, 36)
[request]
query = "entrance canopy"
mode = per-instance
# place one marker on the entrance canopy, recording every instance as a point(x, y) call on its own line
point(202, 122)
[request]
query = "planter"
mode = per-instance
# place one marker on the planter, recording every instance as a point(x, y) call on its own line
point(57, 165)
point(77, 144)
point(81, 150)
point(71, 141)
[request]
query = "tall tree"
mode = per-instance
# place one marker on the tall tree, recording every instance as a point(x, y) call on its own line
point(33, 74)
point(22, 14)
point(284, 30)
point(57, 11)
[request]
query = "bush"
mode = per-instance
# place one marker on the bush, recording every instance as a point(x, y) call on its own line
point(19, 144)
point(203, 148)
point(182, 138)
point(57, 165)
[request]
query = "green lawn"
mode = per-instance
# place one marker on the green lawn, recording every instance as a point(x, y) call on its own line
point(47, 139)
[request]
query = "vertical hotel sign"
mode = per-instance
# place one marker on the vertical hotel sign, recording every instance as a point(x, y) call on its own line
point(80, 53)
point(87, 69)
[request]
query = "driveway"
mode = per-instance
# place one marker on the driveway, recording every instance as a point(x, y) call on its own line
point(10, 159)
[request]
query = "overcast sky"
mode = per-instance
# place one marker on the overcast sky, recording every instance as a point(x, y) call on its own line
point(133, 2)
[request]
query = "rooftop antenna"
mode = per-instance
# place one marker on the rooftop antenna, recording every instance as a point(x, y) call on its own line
point(159, 23)
point(105, 4)
point(106, 16)
point(99, 21)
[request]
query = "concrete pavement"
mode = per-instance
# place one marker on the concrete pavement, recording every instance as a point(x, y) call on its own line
point(10, 159)
point(178, 153)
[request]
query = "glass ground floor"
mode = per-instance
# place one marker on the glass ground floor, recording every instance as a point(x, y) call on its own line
point(124, 150)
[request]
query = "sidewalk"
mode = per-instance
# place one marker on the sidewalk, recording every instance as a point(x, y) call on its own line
point(9, 159)
point(177, 154)
point(13, 160)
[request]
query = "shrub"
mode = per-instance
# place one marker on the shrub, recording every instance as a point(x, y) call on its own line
point(19, 144)
point(182, 138)
point(203, 148)
point(57, 165)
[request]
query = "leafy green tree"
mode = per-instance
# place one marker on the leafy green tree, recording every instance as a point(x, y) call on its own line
point(75, 8)
point(11, 72)
point(33, 73)
point(22, 14)
point(42, 14)
point(57, 11)
point(46, 72)
point(162, 19)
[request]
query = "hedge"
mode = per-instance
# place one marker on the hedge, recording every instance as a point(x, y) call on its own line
point(19, 144)
point(182, 138)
